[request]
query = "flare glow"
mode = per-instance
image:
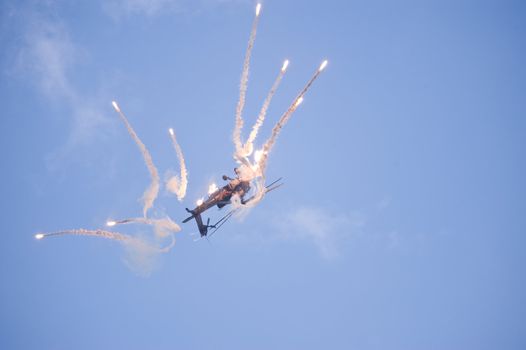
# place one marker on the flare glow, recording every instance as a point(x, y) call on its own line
point(323, 65)
point(212, 188)
point(285, 66)
point(257, 155)
point(115, 106)
point(298, 102)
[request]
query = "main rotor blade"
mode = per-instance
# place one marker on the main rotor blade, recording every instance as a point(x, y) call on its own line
point(228, 216)
point(269, 185)
point(273, 188)
point(223, 218)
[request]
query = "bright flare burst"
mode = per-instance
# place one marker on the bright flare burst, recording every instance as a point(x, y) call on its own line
point(285, 65)
point(212, 188)
point(111, 223)
point(257, 155)
point(298, 102)
point(39, 236)
point(323, 65)
point(258, 9)
point(199, 201)
point(116, 106)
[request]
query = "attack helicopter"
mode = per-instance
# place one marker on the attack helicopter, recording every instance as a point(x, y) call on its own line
point(223, 197)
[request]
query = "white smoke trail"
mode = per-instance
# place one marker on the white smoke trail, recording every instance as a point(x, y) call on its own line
point(243, 85)
point(260, 165)
point(269, 144)
point(83, 232)
point(162, 227)
point(141, 254)
point(116, 236)
point(248, 148)
point(150, 194)
point(178, 185)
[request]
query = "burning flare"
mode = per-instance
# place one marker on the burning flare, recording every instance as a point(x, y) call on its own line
point(39, 236)
point(258, 9)
point(285, 66)
point(212, 188)
point(116, 106)
point(323, 65)
point(257, 155)
point(298, 102)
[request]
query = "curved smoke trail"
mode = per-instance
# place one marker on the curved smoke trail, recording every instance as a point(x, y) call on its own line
point(178, 185)
point(162, 227)
point(243, 86)
point(150, 194)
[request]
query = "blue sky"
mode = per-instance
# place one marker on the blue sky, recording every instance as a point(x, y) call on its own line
point(401, 224)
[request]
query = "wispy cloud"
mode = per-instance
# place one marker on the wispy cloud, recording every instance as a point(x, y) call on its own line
point(150, 8)
point(47, 55)
point(119, 8)
point(326, 230)
point(332, 232)
point(384, 203)
point(47, 58)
